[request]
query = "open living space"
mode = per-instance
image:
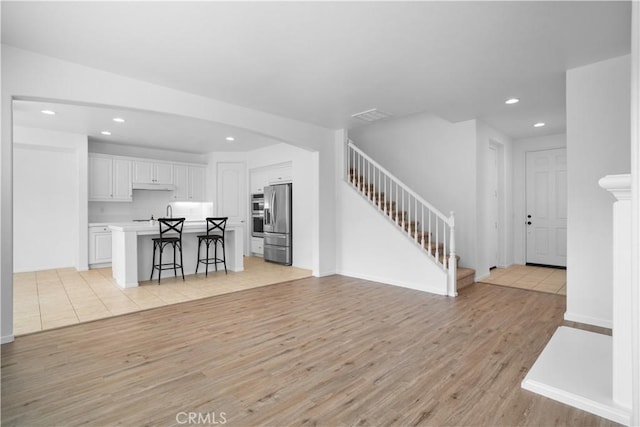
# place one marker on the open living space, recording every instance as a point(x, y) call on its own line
point(320, 213)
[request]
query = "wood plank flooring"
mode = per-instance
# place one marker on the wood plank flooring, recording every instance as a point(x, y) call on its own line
point(329, 351)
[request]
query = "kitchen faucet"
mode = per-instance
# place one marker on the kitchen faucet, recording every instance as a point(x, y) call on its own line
point(169, 211)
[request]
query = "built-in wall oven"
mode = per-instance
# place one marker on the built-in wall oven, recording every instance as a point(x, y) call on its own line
point(257, 215)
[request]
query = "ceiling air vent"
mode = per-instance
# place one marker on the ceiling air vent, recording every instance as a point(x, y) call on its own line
point(371, 115)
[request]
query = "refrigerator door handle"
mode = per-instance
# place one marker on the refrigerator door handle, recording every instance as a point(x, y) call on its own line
point(275, 212)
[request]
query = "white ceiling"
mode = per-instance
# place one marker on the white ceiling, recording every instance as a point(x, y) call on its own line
point(321, 62)
point(141, 128)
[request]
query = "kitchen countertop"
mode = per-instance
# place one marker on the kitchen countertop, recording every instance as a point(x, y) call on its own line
point(146, 227)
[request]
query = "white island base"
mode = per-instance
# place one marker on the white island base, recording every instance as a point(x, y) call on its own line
point(132, 251)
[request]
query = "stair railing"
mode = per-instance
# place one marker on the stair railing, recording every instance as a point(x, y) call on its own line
point(425, 225)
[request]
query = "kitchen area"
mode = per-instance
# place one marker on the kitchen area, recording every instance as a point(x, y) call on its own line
point(121, 192)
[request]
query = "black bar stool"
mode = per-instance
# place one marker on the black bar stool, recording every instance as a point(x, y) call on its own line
point(215, 234)
point(170, 234)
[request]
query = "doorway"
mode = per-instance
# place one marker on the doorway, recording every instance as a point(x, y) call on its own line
point(494, 206)
point(546, 207)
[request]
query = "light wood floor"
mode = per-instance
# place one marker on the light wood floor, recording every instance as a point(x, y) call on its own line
point(541, 279)
point(54, 298)
point(330, 351)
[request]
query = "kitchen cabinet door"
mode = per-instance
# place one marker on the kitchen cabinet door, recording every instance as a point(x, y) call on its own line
point(197, 184)
point(142, 172)
point(100, 178)
point(99, 245)
point(163, 173)
point(122, 180)
point(259, 179)
point(280, 174)
point(231, 200)
point(181, 181)
point(257, 246)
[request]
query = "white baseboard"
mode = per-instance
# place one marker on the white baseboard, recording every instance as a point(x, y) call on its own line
point(7, 339)
point(479, 278)
point(323, 273)
point(588, 320)
point(385, 281)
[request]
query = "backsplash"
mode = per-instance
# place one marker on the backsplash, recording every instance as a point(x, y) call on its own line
point(146, 203)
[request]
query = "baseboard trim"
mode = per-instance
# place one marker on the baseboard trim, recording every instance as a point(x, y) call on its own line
point(480, 278)
point(323, 273)
point(7, 339)
point(594, 321)
point(385, 281)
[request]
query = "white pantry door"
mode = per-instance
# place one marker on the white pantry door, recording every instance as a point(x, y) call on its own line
point(232, 194)
point(546, 221)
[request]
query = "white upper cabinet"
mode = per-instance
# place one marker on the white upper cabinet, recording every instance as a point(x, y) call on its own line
point(152, 173)
point(100, 178)
point(109, 179)
point(181, 180)
point(190, 183)
point(259, 179)
point(280, 174)
point(122, 180)
point(197, 185)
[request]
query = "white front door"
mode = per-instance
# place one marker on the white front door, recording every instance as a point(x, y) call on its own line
point(546, 204)
point(232, 197)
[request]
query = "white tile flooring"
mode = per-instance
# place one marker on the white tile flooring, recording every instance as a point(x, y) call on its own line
point(54, 298)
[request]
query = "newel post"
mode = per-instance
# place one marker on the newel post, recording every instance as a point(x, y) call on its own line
point(452, 290)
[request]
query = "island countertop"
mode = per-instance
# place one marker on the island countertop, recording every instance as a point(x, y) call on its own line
point(132, 249)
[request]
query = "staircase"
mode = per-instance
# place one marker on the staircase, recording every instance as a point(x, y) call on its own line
point(432, 231)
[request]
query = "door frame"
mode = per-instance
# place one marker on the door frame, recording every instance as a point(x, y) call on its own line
point(500, 201)
point(520, 150)
point(524, 218)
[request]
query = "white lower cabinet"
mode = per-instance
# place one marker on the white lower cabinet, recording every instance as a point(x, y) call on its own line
point(257, 246)
point(99, 245)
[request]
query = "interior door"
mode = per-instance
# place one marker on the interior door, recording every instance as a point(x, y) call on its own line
point(232, 197)
point(493, 208)
point(546, 200)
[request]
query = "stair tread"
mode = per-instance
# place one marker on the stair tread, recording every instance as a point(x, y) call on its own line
point(464, 272)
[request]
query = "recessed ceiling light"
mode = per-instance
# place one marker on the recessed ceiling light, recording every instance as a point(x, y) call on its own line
point(105, 132)
point(230, 138)
point(512, 101)
point(48, 112)
point(538, 125)
point(118, 119)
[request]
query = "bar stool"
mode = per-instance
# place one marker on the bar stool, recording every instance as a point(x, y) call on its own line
point(170, 234)
point(215, 234)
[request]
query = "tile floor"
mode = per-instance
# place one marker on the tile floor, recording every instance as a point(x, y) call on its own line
point(541, 279)
point(54, 298)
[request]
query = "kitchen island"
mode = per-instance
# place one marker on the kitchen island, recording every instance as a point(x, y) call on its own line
point(132, 250)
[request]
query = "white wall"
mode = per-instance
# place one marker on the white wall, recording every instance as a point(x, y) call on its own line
point(50, 200)
point(486, 137)
point(520, 149)
point(371, 247)
point(304, 183)
point(598, 135)
point(29, 75)
point(435, 158)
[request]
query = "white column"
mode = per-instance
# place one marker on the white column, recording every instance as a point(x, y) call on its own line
point(620, 188)
point(124, 258)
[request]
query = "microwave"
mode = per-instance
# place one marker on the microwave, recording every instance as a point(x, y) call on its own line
point(257, 203)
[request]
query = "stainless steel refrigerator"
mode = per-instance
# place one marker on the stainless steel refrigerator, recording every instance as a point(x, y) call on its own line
point(277, 223)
